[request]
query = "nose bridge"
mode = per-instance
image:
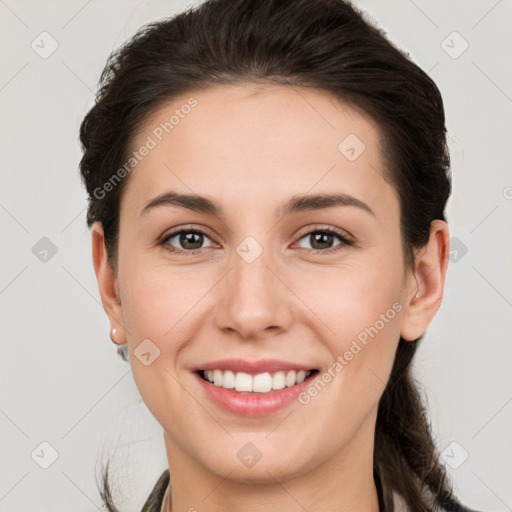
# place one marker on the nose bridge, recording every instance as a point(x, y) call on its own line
point(251, 272)
point(254, 298)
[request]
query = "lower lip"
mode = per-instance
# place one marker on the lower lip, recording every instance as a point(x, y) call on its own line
point(254, 404)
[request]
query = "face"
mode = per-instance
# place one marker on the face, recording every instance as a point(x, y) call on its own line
point(317, 286)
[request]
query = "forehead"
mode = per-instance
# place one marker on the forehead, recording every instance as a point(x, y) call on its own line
point(260, 144)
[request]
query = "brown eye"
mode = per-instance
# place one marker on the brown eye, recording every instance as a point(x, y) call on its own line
point(186, 240)
point(322, 239)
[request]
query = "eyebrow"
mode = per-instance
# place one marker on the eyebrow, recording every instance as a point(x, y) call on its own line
point(296, 204)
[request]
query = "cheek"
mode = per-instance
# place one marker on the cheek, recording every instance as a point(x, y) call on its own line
point(350, 297)
point(157, 298)
point(359, 306)
point(157, 311)
point(162, 310)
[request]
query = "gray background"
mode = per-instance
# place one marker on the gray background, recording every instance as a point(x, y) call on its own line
point(62, 381)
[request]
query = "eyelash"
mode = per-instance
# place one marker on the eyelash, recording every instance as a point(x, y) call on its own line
point(345, 240)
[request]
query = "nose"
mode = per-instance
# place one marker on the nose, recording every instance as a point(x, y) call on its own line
point(255, 301)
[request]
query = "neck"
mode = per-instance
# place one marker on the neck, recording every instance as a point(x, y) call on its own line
point(343, 482)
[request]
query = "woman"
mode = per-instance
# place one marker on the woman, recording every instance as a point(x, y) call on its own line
point(267, 184)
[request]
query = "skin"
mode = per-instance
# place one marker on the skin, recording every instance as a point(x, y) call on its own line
point(251, 149)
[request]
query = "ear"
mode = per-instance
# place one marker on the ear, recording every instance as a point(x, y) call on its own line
point(107, 284)
point(426, 283)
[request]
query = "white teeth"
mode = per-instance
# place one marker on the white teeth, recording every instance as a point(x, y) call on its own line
point(243, 382)
point(260, 383)
point(228, 380)
point(291, 378)
point(278, 380)
point(301, 376)
point(217, 377)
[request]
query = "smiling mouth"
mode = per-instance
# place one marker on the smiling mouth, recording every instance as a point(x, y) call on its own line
point(265, 382)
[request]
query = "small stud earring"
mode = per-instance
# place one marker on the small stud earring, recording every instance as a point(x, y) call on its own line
point(113, 332)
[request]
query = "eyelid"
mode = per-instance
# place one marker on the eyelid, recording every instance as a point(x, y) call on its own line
point(343, 233)
point(169, 233)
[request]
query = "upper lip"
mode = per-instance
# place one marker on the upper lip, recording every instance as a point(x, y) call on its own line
point(253, 367)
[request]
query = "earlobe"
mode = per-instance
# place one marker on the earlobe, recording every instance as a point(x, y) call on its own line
point(426, 284)
point(107, 284)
